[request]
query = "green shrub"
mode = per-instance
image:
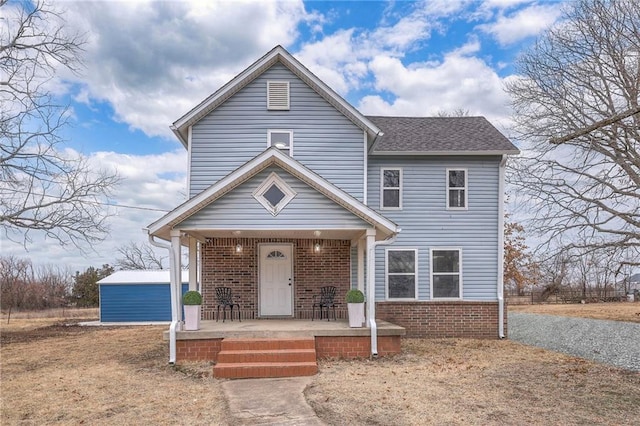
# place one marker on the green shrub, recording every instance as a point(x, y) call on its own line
point(192, 298)
point(355, 296)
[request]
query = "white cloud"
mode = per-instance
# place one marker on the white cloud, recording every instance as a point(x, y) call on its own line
point(153, 61)
point(531, 21)
point(459, 81)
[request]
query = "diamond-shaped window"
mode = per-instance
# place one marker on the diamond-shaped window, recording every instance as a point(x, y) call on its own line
point(274, 194)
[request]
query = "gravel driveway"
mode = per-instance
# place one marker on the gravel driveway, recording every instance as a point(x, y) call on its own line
point(610, 342)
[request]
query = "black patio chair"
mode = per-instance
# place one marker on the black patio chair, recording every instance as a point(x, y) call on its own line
point(226, 299)
point(324, 301)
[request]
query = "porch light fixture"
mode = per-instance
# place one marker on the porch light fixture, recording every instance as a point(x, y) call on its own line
point(238, 248)
point(316, 247)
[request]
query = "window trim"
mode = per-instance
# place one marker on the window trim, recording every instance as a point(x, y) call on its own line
point(459, 273)
point(289, 194)
point(271, 107)
point(465, 188)
point(382, 188)
point(386, 273)
point(290, 132)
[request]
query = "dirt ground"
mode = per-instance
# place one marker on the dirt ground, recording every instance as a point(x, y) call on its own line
point(623, 311)
point(66, 374)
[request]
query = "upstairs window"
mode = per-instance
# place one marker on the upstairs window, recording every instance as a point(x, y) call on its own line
point(391, 188)
point(281, 139)
point(456, 189)
point(278, 95)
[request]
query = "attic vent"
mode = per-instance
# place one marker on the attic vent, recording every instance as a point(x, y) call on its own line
point(278, 95)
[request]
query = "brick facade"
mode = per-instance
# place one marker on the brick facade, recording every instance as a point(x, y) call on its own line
point(477, 320)
point(222, 266)
point(198, 350)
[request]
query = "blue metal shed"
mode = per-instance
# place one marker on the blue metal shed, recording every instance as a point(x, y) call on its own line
point(137, 296)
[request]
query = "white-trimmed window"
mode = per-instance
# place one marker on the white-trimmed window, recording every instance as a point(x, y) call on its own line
point(391, 188)
point(402, 273)
point(281, 139)
point(274, 194)
point(446, 273)
point(456, 189)
point(278, 95)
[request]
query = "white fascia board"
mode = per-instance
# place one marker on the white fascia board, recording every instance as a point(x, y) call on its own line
point(179, 135)
point(251, 168)
point(446, 153)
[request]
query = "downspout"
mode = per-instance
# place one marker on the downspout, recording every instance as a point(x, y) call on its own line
point(371, 290)
point(174, 315)
point(500, 289)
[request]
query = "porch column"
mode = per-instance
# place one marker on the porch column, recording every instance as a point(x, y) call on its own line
point(361, 256)
point(175, 290)
point(371, 290)
point(193, 264)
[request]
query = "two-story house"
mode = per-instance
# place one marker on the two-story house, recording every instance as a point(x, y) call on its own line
point(291, 188)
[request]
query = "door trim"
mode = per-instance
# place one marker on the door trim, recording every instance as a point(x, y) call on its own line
point(261, 246)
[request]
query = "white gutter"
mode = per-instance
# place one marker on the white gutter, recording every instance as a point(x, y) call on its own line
point(371, 290)
point(500, 289)
point(174, 315)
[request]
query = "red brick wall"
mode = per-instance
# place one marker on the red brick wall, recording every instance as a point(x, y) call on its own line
point(197, 350)
point(443, 319)
point(355, 346)
point(222, 266)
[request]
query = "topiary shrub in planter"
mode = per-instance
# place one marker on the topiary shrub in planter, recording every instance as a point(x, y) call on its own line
point(355, 305)
point(192, 301)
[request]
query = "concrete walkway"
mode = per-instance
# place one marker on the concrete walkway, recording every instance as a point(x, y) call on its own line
point(270, 401)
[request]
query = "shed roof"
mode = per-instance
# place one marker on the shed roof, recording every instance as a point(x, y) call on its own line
point(440, 135)
point(142, 277)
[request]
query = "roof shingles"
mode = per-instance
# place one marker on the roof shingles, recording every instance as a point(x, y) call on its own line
point(440, 135)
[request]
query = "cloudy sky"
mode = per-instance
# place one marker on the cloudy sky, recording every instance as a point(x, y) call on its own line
point(147, 63)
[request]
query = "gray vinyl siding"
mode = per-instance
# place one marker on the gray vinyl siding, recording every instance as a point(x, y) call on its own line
point(324, 140)
point(239, 210)
point(427, 224)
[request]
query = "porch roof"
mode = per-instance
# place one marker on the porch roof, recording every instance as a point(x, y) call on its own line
point(272, 156)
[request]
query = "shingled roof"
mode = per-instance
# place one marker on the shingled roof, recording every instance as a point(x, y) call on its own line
point(440, 135)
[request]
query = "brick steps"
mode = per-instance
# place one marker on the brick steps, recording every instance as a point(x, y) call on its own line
point(258, 358)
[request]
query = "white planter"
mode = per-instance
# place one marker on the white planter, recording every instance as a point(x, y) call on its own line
point(191, 317)
point(356, 314)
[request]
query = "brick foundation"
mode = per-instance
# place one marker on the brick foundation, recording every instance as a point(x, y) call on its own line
point(443, 319)
point(197, 350)
point(355, 346)
point(222, 266)
point(326, 347)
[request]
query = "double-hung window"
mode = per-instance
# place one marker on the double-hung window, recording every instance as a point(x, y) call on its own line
point(390, 188)
point(281, 139)
point(402, 276)
point(456, 189)
point(446, 273)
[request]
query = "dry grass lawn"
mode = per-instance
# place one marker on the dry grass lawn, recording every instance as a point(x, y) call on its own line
point(622, 311)
point(57, 374)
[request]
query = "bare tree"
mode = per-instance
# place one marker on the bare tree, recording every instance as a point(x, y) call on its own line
point(576, 113)
point(43, 187)
point(136, 256)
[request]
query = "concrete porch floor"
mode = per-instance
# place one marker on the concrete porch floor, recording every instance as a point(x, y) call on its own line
point(282, 328)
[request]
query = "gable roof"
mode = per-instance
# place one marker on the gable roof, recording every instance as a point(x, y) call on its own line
point(272, 156)
point(281, 55)
point(439, 136)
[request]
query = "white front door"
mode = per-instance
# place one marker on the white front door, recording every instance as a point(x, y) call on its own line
point(276, 279)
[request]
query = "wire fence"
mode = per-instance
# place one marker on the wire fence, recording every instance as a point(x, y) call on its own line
point(571, 296)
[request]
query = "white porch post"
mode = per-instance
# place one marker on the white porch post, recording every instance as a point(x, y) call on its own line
point(193, 264)
point(361, 253)
point(371, 290)
point(176, 293)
